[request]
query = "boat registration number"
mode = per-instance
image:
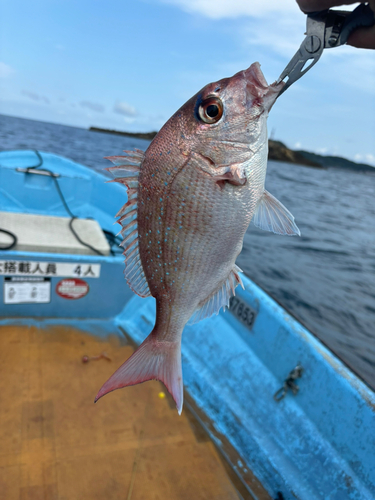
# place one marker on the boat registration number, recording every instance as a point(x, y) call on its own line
point(242, 311)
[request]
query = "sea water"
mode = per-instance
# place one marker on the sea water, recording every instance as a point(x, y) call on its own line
point(326, 277)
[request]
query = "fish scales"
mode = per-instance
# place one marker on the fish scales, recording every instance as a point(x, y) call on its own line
point(200, 183)
point(188, 214)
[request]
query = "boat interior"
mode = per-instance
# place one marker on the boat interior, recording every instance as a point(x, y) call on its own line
point(57, 444)
point(267, 406)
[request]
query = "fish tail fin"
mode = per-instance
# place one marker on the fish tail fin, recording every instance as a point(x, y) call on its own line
point(153, 360)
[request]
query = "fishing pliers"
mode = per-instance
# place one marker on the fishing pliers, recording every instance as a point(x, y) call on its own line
point(325, 29)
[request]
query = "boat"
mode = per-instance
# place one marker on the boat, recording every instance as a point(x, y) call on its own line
point(288, 416)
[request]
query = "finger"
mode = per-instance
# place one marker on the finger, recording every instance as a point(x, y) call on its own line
point(363, 38)
point(317, 5)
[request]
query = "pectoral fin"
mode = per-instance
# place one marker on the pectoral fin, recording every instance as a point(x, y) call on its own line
point(233, 173)
point(234, 176)
point(271, 215)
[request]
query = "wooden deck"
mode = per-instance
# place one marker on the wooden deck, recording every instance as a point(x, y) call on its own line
point(56, 444)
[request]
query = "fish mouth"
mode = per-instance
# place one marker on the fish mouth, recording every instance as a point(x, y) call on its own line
point(257, 87)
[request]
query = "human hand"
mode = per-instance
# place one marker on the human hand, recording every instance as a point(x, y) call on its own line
point(363, 38)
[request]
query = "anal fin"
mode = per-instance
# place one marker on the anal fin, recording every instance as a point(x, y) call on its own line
point(219, 298)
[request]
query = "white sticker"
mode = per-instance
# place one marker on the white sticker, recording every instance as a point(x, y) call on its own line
point(35, 291)
point(50, 269)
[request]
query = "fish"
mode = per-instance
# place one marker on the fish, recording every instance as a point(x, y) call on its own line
point(191, 197)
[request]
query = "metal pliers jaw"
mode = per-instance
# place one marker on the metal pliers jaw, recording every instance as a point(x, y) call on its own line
point(325, 29)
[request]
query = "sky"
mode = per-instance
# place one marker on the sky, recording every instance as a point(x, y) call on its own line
point(130, 64)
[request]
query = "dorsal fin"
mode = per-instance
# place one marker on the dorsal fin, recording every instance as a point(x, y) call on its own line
point(219, 298)
point(126, 171)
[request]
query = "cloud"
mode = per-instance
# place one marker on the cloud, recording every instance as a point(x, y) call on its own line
point(219, 9)
point(124, 108)
point(365, 158)
point(280, 34)
point(5, 70)
point(354, 67)
point(35, 97)
point(94, 106)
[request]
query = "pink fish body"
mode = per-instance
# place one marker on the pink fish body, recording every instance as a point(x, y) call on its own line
point(191, 197)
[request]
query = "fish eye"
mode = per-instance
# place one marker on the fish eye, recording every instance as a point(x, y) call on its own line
point(211, 110)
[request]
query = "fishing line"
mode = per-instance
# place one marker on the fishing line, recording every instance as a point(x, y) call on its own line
point(111, 238)
point(13, 236)
point(9, 233)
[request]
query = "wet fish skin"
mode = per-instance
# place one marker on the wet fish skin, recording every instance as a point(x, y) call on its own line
point(178, 189)
point(199, 185)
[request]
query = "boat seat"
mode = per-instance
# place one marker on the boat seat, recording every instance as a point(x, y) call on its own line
point(43, 233)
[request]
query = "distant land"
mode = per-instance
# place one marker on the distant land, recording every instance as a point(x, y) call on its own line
point(277, 151)
point(148, 136)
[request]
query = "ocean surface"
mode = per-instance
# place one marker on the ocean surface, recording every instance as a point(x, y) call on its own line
point(325, 278)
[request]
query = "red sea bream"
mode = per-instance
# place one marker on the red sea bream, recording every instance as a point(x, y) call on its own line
point(191, 197)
